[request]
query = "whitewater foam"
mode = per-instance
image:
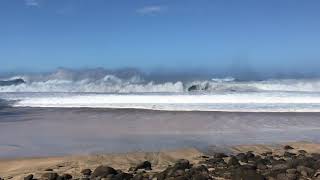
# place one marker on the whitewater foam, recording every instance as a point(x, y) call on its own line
point(115, 85)
point(131, 89)
point(247, 102)
point(132, 81)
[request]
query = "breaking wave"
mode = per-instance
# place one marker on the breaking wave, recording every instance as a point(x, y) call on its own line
point(133, 81)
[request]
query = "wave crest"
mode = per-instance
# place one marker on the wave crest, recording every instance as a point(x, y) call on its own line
point(133, 81)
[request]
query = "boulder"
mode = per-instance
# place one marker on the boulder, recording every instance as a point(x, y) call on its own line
point(242, 173)
point(289, 154)
point(291, 171)
point(123, 176)
point(29, 177)
point(268, 153)
point(261, 166)
point(146, 165)
point(65, 177)
point(49, 176)
point(283, 176)
point(242, 157)
point(287, 147)
point(103, 171)
point(250, 155)
point(86, 172)
point(280, 167)
point(220, 155)
point(233, 161)
point(302, 152)
point(305, 171)
point(182, 164)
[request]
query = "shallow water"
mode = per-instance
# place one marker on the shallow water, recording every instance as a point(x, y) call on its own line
point(59, 131)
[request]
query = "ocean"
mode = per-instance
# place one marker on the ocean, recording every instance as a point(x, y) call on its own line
point(70, 112)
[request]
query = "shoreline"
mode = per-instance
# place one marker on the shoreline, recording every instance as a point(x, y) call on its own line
point(60, 131)
point(106, 109)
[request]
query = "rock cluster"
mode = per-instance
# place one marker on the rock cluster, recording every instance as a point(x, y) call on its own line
point(242, 166)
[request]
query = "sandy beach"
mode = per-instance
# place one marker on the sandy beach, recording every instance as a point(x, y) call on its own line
point(87, 138)
point(73, 164)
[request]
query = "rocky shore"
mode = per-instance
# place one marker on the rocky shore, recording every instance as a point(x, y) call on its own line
point(287, 163)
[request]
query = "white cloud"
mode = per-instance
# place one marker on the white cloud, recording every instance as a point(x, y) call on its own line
point(150, 9)
point(31, 3)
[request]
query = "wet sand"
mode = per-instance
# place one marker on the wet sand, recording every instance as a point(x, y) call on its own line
point(34, 132)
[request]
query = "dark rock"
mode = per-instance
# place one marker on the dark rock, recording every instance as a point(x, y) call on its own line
point(287, 147)
point(86, 172)
point(302, 152)
point(279, 161)
point(289, 154)
point(292, 176)
point(184, 178)
point(103, 171)
point(215, 162)
point(200, 173)
point(66, 176)
point(291, 171)
point(280, 167)
point(283, 176)
point(48, 169)
point(305, 171)
point(241, 173)
point(60, 178)
point(201, 177)
point(263, 161)
point(123, 176)
point(300, 156)
point(199, 169)
point(204, 157)
point(29, 177)
point(220, 155)
point(49, 176)
point(138, 177)
point(160, 175)
point(233, 161)
point(131, 169)
point(293, 163)
point(249, 167)
point(316, 164)
point(250, 155)
point(261, 166)
point(242, 157)
point(182, 164)
point(316, 156)
point(179, 172)
point(146, 165)
point(268, 153)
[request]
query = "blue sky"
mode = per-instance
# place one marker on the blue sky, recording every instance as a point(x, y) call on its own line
point(40, 35)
